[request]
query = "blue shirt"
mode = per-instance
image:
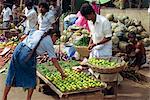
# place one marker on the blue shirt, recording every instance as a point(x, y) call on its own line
point(46, 44)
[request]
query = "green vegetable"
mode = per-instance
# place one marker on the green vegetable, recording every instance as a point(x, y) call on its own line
point(84, 41)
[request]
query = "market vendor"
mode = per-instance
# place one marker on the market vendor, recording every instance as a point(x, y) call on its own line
point(29, 19)
point(100, 44)
point(6, 14)
point(22, 71)
point(137, 55)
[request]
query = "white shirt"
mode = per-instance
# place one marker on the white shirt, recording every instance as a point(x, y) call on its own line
point(6, 12)
point(31, 20)
point(100, 29)
point(46, 44)
point(45, 22)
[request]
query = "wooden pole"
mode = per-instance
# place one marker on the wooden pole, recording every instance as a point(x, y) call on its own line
point(21, 4)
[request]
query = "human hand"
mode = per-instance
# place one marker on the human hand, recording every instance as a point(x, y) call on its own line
point(91, 46)
point(63, 75)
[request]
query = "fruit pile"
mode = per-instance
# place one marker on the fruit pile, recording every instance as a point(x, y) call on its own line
point(102, 63)
point(74, 81)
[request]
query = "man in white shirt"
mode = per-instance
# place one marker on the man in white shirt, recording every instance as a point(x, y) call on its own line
point(100, 43)
point(30, 18)
point(100, 28)
point(6, 15)
point(46, 17)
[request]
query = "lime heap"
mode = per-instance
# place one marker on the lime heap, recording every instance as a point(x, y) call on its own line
point(102, 63)
point(74, 81)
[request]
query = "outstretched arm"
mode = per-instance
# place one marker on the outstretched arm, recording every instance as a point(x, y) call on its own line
point(55, 62)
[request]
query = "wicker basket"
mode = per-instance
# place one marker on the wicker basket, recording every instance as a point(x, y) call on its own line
point(119, 67)
point(83, 51)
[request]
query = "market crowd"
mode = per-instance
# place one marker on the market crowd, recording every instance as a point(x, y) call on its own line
point(41, 30)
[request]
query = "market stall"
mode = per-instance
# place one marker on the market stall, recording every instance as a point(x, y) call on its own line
point(76, 82)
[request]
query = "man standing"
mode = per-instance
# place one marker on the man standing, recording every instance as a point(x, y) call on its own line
point(6, 15)
point(30, 19)
point(100, 28)
point(46, 17)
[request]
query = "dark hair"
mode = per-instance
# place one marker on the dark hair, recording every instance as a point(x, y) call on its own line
point(29, 4)
point(85, 2)
point(45, 5)
point(131, 35)
point(54, 32)
point(86, 9)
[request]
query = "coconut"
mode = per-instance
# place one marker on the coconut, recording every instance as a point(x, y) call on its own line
point(136, 22)
point(132, 29)
point(139, 29)
point(144, 34)
point(115, 40)
point(121, 27)
point(113, 26)
point(110, 17)
point(146, 42)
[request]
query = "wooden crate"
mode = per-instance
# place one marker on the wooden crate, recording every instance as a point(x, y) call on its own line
point(66, 94)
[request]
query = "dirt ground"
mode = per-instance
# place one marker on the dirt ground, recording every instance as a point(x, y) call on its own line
point(128, 90)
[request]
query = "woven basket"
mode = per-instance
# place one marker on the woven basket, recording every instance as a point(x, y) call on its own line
point(83, 51)
point(100, 69)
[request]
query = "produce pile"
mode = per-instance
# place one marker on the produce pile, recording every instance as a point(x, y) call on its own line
point(4, 42)
point(71, 34)
point(84, 41)
point(75, 81)
point(102, 63)
point(122, 25)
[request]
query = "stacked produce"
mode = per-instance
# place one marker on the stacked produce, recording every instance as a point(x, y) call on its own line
point(122, 25)
point(74, 81)
point(107, 65)
point(72, 33)
point(12, 42)
point(83, 41)
point(102, 63)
